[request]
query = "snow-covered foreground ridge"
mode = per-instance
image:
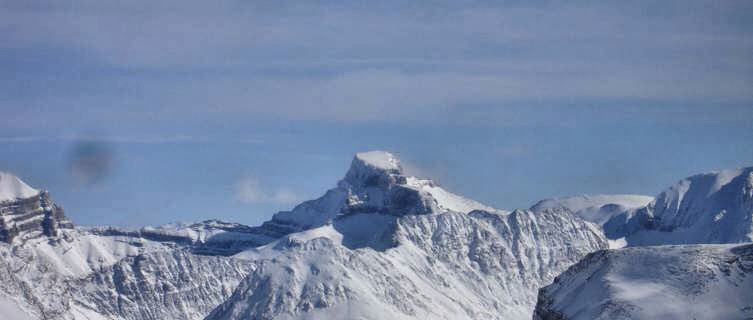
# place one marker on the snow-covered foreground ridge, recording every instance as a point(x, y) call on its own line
point(381, 244)
point(659, 282)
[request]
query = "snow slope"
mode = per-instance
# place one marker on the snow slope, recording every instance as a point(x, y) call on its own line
point(83, 275)
point(713, 207)
point(209, 237)
point(663, 282)
point(597, 208)
point(706, 208)
point(12, 188)
point(10, 309)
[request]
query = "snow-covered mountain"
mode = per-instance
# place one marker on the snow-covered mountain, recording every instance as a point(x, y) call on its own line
point(422, 248)
point(714, 207)
point(385, 245)
point(51, 270)
point(662, 282)
point(375, 183)
point(687, 281)
point(706, 208)
point(381, 244)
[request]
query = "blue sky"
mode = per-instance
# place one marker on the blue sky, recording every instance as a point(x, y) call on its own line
point(141, 113)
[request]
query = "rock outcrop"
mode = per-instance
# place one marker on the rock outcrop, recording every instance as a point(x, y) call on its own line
point(35, 216)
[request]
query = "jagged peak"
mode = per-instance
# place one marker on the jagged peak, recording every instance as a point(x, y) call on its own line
point(12, 188)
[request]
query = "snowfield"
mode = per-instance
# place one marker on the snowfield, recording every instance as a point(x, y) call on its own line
point(597, 208)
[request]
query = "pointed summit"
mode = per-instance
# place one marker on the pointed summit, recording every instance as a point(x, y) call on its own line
point(12, 188)
point(370, 168)
point(381, 160)
point(375, 184)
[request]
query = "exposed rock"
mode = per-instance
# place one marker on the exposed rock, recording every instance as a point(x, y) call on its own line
point(31, 217)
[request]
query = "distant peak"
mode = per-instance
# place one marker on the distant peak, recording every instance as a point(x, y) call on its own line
point(379, 160)
point(12, 188)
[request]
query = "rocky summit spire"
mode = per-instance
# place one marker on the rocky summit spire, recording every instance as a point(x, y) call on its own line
point(372, 167)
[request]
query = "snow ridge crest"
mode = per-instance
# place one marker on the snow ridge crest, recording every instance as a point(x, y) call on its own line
point(13, 188)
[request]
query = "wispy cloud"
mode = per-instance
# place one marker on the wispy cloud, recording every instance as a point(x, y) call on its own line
point(250, 190)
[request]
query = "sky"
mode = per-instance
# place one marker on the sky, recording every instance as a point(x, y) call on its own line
point(142, 113)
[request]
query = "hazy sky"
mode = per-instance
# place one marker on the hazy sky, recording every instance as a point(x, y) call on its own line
point(142, 113)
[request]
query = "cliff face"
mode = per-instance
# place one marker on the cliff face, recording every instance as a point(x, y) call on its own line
point(160, 285)
point(451, 265)
point(80, 275)
point(32, 217)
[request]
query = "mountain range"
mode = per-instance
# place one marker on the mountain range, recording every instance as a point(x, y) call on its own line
point(386, 245)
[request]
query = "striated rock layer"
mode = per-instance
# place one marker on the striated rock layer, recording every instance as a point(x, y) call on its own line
point(35, 216)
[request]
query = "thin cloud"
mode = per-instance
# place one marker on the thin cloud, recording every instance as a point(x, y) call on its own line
point(134, 62)
point(250, 190)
